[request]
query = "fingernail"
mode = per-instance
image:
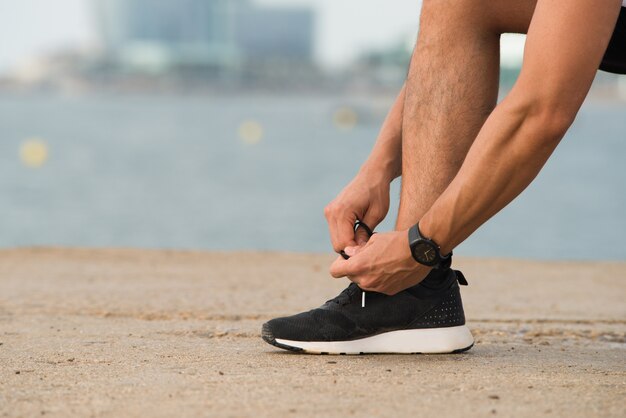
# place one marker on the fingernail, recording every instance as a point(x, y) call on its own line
point(350, 251)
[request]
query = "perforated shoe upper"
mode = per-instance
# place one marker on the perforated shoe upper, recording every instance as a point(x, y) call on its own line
point(436, 302)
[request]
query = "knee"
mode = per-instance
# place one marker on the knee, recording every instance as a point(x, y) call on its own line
point(460, 17)
point(458, 12)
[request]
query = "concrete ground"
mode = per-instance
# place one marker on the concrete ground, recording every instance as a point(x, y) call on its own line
point(163, 333)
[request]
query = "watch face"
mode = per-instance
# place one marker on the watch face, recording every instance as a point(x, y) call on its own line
point(425, 253)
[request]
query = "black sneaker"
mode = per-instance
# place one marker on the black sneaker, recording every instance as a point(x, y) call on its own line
point(426, 318)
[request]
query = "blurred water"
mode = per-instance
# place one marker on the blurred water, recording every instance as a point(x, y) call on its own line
point(173, 172)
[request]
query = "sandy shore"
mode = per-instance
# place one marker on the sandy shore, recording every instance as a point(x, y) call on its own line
point(163, 333)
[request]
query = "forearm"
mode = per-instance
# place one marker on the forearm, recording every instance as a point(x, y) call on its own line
point(523, 131)
point(385, 160)
point(510, 150)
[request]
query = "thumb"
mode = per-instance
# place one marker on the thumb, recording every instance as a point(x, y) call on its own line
point(362, 234)
point(351, 251)
point(341, 268)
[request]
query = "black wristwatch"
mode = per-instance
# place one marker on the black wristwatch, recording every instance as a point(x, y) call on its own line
point(426, 251)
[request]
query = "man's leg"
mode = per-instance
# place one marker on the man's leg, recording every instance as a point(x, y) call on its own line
point(451, 88)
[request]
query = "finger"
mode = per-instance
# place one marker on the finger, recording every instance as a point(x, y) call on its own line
point(337, 268)
point(361, 236)
point(351, 251)
point(341, 268)
point(341, 233)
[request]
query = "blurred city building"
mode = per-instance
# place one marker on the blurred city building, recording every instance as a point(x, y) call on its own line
point(211, 38)
point(153, 35)
point(216, 45)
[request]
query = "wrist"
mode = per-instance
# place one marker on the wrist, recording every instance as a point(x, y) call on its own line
point(436, 231)
point(380, 169)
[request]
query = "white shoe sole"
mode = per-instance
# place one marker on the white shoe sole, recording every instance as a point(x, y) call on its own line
point(426, 341)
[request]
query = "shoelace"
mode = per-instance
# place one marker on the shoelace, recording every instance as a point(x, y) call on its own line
point(346, 296)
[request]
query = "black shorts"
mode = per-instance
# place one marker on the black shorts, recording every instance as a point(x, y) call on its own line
point(614, 60)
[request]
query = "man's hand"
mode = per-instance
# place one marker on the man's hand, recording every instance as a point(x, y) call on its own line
point(366, 198)
point(384, 264)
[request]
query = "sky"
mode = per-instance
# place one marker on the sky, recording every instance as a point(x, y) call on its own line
point(344, 27)
point(31, 27)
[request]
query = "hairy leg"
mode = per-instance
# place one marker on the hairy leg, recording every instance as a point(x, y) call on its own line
point(451, 88)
